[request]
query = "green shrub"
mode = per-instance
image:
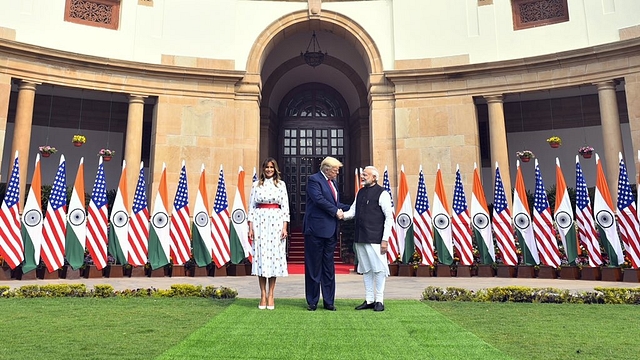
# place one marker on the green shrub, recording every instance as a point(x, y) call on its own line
point(186, 290)
point(105, 291)
point(535, 295)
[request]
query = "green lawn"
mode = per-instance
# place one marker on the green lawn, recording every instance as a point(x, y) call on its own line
point(198, 328)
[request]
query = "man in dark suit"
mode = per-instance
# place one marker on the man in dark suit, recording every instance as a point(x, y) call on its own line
point(323, 210)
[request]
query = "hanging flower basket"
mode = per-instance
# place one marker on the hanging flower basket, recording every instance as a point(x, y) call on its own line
point(78, 140)
point(46, 150)
point(525, 155)
point(586, 152)
point(106, 154)
point(554, 142)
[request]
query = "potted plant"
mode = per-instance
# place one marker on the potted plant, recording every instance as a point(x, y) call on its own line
point(5, 270)
point(106, 154)
point(586, 151)
point(525, 155)
point(78, 140)
point(554, 141)
point(47, 150)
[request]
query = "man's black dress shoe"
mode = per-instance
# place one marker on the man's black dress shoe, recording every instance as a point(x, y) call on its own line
point(365, 306)
point(330, 307)
point(312, 307)
point(378, 306)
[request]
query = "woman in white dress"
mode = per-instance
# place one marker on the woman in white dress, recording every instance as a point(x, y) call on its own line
point(268, 220)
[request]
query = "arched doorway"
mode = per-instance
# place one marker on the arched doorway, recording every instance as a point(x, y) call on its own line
point(312, 121)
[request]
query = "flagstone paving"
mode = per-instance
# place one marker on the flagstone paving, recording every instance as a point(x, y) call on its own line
point(348, 286)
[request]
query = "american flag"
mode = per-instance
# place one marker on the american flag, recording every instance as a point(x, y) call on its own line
point(627, 217)
point(11, 245)
point(542, 227)
point(584, 217)
point(461, 223)
point(501, 223)
point(97, 220)
point(180, 231)
point(220, 224)
point(392, 253)
point(55, 222)
point(255, 175)
point(139, 224)
point(422, 224)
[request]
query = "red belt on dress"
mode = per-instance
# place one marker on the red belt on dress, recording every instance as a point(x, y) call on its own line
point(268, 206)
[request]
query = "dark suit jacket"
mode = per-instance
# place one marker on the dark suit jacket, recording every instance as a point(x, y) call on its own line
point(320, 213)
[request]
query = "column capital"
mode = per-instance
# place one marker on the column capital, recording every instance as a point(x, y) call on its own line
point(133, 98)
point(28, 85)
point(494, 98)
point(606, 85)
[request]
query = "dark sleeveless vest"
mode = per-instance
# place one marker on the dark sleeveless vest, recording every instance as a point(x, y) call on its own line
point(369, 217)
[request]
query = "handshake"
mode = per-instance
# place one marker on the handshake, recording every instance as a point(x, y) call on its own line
point(340, 214)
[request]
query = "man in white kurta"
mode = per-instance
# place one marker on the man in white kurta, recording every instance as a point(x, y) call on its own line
point(373, 215)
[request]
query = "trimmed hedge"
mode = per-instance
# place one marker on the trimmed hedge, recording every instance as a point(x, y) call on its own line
point(105, 291)
point(524, 294)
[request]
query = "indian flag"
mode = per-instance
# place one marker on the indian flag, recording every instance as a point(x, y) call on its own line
point(76, 222)
point(239, 234)
point(159, 240)
point(202, 239)
point(404, 223)
point(118, 245)
point(522, 221)
point(605, 218)
point(32, 221)
point(480, 221)
point(563, 215)
point(442, 223)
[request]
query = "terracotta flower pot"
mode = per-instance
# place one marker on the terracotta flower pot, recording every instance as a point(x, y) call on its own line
point(77, 143)
point(611, 273)
point(547, 272)
point(570, 273)
point(525, 159)
point(591, 273)
point(45, 154)
point(485, 270)
point(554, 145)
point(586, 155)
point(506, 271)
point(463, 271)
point(106, 158)
point(444, 270)
point(631, 275)
point(406, 270)
point(393, 269)
point(424, 271)
point(526, 271)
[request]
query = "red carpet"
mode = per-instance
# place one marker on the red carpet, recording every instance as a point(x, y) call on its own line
point(341, 269)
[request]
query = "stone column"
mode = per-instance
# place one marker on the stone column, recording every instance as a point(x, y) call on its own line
point(5, 95)
point(611, 133)
point(22, 130)
point(498, 139)
point(382, 144)
point(246, 133)
point(133, 143)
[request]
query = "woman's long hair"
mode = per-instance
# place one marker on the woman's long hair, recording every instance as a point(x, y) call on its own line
point(276, 173)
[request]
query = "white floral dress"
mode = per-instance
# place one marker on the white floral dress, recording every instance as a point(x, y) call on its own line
point(269, 249)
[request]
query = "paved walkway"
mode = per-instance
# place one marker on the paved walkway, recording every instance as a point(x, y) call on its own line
point(348, 286)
